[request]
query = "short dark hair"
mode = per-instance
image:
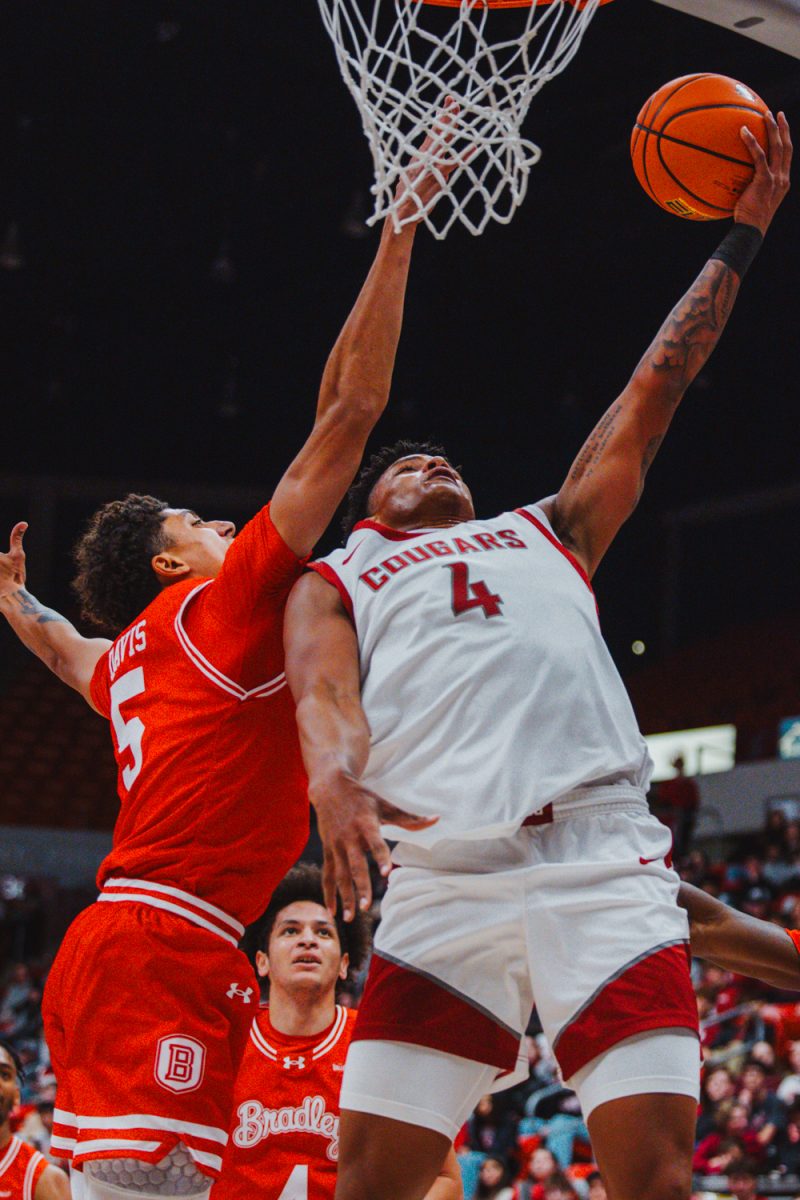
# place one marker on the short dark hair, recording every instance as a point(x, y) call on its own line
point(115, 579)
point(746, 1169)
point(358, 497)
point(13, 1054)
point(304, 882)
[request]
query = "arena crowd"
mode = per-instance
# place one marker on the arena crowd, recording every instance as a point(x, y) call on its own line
point(530, 1142)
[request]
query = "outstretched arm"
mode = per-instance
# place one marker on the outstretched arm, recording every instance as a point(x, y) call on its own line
point(736, 942)
point(323, 673)
point(606, 480)
point(50, 636)
point(355, 384)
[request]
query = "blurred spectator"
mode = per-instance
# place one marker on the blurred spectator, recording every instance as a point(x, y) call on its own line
point(787, 1143)
point(491, 1130)
point(597, 1189)
point(541, 1166)
point(558, 1187)
point(718, 1085)
point(743, 1182)
point(767, 1113)
point(776, 870)
point(789, 1087)
point(679, 798)
point(734, 1139)
point(493, 1180)
point(554, 1114)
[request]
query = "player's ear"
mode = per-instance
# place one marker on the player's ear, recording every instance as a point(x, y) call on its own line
point(262, 964)
point(168, 567)
point(344, 966)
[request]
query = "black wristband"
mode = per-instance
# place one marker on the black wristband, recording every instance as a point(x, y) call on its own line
point(739, 247)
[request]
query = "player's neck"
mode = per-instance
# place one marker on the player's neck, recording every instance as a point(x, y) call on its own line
point(302, 1013)
point(5, 1135)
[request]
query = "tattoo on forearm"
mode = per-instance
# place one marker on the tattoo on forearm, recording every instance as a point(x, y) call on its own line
point(30, 607)
point(595, 444)
point(694, 326)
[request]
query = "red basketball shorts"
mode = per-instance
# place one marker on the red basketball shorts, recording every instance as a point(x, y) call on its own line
point(146, 1015)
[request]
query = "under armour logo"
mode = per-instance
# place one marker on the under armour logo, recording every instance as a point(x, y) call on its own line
point(235, 990)
point(288, 1062)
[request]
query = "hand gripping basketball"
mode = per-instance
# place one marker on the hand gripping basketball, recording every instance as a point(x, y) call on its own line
point(762, 197)
point(12, 565)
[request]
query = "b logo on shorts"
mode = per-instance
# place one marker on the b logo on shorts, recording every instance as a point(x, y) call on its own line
point(180, 1063)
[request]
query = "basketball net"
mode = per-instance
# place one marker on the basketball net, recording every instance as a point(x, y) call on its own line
point(402, 58)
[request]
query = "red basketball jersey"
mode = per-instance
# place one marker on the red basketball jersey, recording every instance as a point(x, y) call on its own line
point(284, 1139)
point(212, 789)
point(21, 1168)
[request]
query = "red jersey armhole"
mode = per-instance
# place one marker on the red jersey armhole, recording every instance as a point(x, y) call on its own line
point(329, 575)
point(98, 689)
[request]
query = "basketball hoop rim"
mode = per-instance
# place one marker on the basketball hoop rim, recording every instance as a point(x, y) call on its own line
point(509, 3)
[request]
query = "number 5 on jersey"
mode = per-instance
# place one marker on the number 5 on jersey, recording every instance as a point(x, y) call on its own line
point(128, 733)
point(468, 595)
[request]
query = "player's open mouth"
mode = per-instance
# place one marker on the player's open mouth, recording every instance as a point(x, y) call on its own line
point(306, 960)
point(442, 473)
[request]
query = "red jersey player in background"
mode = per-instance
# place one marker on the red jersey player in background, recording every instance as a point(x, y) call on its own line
point(25, 1174)
point(149, 1004)
point(284, 1142)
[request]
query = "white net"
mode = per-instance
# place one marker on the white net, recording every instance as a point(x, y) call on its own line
point(402, 58)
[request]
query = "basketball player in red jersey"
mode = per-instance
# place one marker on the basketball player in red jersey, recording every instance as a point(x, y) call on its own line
point(25, 1174)
point(455, 667)
point(149, 1004)
point(284, 1139)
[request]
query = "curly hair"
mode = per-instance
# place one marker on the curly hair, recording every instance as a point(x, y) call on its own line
point(360, 493)
point(304, 882)
point(115, 580)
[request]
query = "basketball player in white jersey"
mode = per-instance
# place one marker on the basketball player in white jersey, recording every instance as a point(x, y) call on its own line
point(454, 667)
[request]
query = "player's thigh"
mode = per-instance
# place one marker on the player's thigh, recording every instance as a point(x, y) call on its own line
point(639, 1100)
point(643, 1146)
point(402, 1105)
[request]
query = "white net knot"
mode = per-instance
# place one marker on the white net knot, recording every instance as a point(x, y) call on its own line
point(401, 59)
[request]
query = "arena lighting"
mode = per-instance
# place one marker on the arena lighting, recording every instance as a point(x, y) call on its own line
point(774, 23)
point(704, 751)
point(789, 737)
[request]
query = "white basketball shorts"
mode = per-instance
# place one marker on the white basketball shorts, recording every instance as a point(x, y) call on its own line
point(578, 916)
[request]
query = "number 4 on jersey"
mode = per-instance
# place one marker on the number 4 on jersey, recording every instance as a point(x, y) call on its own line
point(296, 1186)
point(468, 595)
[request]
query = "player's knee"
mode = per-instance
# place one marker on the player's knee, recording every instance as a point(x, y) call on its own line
point(176, 1175)
point(669, 1181)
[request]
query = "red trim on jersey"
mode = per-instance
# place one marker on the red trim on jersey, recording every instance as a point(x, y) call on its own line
point(392, 535)
point(654, 993)
point(521, 512)
point(329, 575)
point(174, 900)
point(400, 1005)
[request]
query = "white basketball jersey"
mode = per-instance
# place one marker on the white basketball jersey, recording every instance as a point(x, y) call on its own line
point(487, 685)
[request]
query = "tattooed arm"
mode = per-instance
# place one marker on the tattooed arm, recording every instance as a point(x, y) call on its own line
point(606, 479)
point(50, 636)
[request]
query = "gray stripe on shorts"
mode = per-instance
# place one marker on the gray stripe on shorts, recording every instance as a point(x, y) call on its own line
point(639, 958)
point(485, 1012)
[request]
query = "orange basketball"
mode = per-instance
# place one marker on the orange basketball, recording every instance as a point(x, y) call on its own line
point(686, 146)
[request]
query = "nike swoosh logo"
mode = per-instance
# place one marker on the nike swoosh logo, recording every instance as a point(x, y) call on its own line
point(645, 861)
point(352, 552)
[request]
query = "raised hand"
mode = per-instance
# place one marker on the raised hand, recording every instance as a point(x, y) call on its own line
point(761, 198)
point(349, 817)
point(12, 564)
point(426, 175)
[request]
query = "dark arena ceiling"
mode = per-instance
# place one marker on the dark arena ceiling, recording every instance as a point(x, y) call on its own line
point(185, 188)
